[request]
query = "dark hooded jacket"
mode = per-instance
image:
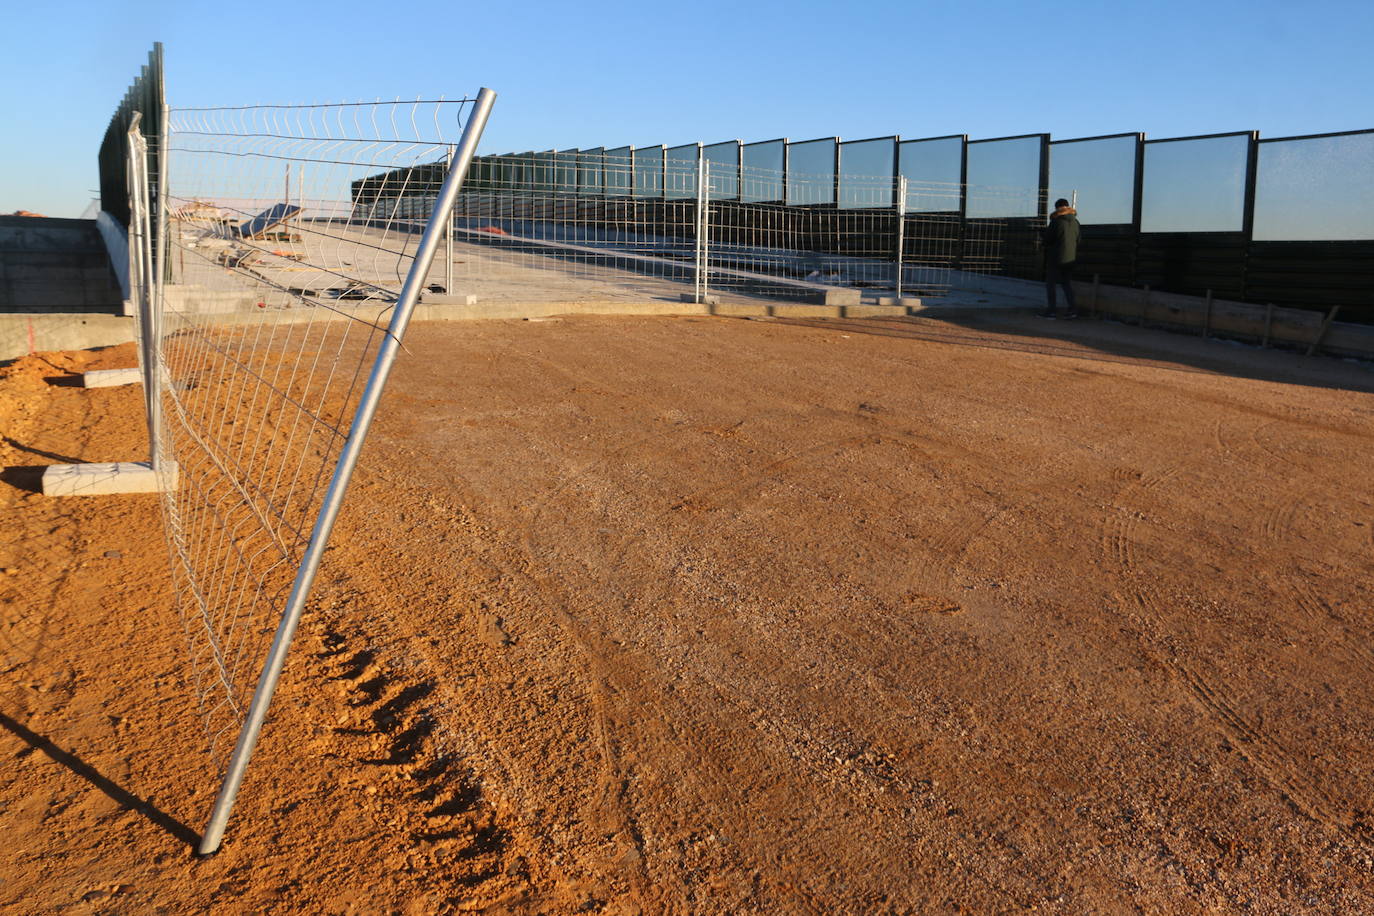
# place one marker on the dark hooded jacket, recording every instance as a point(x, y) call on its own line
point(1061, 236)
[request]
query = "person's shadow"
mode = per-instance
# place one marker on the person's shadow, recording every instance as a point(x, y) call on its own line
point(89, 773)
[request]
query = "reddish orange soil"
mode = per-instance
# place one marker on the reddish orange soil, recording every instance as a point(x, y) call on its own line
point(723, 616)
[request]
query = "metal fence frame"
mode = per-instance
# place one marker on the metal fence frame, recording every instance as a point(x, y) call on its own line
point(147, 211)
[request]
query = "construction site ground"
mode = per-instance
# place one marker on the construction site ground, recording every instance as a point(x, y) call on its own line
point(709, 615)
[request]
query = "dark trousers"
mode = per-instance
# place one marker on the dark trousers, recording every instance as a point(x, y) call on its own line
point(1059, 275)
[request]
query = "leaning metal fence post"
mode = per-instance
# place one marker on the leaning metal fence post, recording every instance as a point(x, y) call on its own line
point(156, 306)
point(143, 288)
point(901, 233)
point(338, 484)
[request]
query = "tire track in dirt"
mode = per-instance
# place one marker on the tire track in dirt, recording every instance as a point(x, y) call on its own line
point(1278, 519)
point(1118, 535)
point(944, 554)
point(612, 809)
point(1320, 611)
point(867, 778)
point(1278, 522)
point(606, 667)
point(1282, 456)
point(496, 574)
point(699, 770)
point(1278, 766)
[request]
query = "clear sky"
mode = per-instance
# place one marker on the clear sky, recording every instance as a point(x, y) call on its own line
point(613, 73)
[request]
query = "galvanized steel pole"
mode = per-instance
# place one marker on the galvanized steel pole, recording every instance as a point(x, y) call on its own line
point(901, 232)
point(705, 238)
point(158, 304)
point(348, 459)
point(699, 281)
point(143, 282)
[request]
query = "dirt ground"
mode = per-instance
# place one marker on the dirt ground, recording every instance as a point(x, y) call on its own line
point(701, 615)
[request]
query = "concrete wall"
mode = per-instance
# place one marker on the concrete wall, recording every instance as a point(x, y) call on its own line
point(1275, 326)
point(23, 334)
point(116, 239)
point(55, 265)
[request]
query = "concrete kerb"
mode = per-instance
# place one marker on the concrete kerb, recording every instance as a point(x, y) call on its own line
point(26, 333)
point(1285, 327)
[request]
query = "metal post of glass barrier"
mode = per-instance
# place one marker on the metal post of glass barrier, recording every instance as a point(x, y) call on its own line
point(901, 233)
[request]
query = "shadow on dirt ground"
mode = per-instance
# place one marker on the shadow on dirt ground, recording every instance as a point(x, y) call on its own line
point(1112, 341)
point(109, 787)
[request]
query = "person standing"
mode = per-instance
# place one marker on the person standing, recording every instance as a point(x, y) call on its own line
point(1061, 251)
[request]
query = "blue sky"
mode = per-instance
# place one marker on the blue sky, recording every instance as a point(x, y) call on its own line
point(587, 74)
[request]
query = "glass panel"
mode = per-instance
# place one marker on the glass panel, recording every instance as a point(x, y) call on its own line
point(479, 174)
point(523, 172)
point(933, 170)
point(589, 163)
point(545, 176)
point(1103, 174)
point(567, 171)
point(1315, 190)
point(762, 170)
point(680, 171)
point(506, 181)
point(1004, 178)
point(724, 169)
point(617, 174)
point(866, 172)
point(649, 172)
point(811, 172)
point(1194, 185)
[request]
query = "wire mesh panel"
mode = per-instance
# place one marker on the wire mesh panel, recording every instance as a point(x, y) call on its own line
point(633, 232)
point(680, 171)
point(619, 172)
point(725, 162)
point(291, 232)
point(765, 162)
point(590, 172)
point(647, 176)
point(1002, 222)
point(861, 162)
point(811, 171)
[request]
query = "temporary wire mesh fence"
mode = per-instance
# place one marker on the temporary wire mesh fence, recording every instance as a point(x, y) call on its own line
point(282, 293)
point(566, 225)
